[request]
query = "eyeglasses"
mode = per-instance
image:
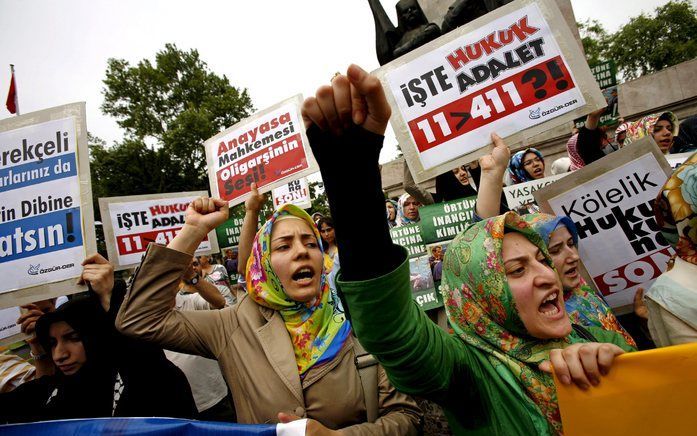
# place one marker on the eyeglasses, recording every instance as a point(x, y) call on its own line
point(531, 161)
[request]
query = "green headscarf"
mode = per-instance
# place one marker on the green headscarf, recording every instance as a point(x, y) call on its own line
point(482, 312)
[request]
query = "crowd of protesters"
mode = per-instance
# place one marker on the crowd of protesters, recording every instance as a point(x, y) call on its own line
point(324, 327)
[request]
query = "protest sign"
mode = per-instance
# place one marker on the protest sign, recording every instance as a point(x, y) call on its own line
point(132, 222)
point(46, 216)
point(516, 71)
point(296, 192)
point(444, 221)
point(409, 237)
point(605, 74)
point(423, 288)
point(8, 322)
point(649, 392)
point(521, 193)
point(228, 233)
point(611, 203)
point(675, 160)
point(268, 149)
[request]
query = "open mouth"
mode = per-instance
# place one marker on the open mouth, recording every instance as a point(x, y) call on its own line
point(571, 273)
point(303, 276)
point(538, 172)
point(550, 306)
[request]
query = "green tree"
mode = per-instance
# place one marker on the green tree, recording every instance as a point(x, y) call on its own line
point(649, 44)
point(167, 109)
point(594, 38)
point(318, 198)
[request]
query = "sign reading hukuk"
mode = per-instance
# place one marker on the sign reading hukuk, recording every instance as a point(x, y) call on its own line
point(611, 203)
point(267, 148)
point(132, 222)
point(45, 204)
point(516, 71)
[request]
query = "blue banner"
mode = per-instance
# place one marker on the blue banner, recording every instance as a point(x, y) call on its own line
point(136, 426)
point(40, 234)
point(33, 173)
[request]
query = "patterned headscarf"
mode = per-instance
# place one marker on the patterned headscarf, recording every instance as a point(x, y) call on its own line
point(644, 127)
point(402, 220)
point(516, 171)
point(318, 329)
point(391, 223)
point(676, 210)
point(572, 149)
point(583, 305)
point(481, 310)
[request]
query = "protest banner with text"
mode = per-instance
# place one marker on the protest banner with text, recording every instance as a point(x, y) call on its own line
point(444, 221)
point(46, 216)
point(133, 222)
point(268, 148)
point(296, 192)
point(521, 193)
point(611, 203)
point(517, 71)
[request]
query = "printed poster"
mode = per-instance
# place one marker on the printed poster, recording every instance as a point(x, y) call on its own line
point(268, 148)
point(296, 192)
point(521, 194)
point(45, 204)
point(444, 221)
point(131, 223)
point(517, 71)
point(611, 203)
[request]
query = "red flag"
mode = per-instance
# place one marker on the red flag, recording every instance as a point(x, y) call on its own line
point(12, 96)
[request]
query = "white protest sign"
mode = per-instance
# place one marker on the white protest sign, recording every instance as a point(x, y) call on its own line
point(520, 194)
point(267, 148)
point(516, 71)
point(675, 160)
point(46, 217)
point(132, 222)
point(611, 203)
point(296, 192)
point(8, 322)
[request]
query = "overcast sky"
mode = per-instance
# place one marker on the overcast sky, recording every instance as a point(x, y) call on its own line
point(274, 48)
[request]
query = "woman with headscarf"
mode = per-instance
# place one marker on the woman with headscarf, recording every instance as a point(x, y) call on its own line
point(286, 349)
point(407, 210)
point(621, 134)
point(582, 303)
point(99, 373)
point(663, 127)
point(391, 212)
point(451, 185)
point(502, 296)
point(672, 300)
point(526, 165)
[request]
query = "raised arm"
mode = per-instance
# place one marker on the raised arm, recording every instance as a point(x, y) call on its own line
point(345, 123)
point(148, 310)
point(493, 167)
point(252, 206)
point(208, 291)
point(412, 188)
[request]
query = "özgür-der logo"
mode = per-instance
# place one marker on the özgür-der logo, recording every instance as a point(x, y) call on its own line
point(36, 269)
point(535, 114)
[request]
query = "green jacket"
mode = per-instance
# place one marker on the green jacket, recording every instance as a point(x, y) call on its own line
point(421, 359)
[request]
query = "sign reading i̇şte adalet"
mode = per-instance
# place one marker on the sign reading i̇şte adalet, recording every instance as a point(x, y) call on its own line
point(132, 222)
point(268, 148)
point(517, 71)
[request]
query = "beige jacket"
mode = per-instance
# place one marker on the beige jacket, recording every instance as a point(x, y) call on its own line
point(256, 356)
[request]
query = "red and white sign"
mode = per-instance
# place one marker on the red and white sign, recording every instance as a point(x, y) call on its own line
point(267, 149)
point(131, 223)
point(296, 192)
point(506, 75)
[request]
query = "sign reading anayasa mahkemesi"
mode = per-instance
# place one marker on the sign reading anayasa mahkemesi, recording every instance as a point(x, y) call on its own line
point(611, 203)
point(517, 71)
point(46, 217)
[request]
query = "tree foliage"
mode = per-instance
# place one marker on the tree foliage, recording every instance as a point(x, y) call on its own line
point(646, 44)
point(167, 109)
point(318, 198)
